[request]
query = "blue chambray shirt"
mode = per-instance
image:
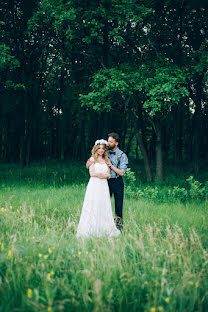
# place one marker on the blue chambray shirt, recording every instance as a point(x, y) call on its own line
point(115, 160)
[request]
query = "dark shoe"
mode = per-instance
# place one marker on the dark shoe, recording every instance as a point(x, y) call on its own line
point(119, 223)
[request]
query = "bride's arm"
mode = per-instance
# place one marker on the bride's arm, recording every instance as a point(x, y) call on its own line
point(108, 177)
point(89, 162)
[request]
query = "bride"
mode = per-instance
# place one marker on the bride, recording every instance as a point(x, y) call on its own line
point(96, 217)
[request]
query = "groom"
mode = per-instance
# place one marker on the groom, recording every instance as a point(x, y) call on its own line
point(117, 163)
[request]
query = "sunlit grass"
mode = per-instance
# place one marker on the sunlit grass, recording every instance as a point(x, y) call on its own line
point(159, 263)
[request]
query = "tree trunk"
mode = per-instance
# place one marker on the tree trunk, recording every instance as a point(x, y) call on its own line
point(83, 151)
point(25, 137)
point(197, 127)
point(124, 132)
point(129, 143)
point(177, 132)
point(62, 138)
point(28, 150)
point(4, 139)
point(144, 155)
point(159, 158)
point(22, 152)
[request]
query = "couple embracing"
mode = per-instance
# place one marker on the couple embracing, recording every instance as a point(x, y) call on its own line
point(106, 167)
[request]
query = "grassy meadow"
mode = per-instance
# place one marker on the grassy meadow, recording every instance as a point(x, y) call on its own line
point(159, 262)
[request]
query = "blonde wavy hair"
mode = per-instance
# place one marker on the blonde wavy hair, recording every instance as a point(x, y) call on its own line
point(95, 154)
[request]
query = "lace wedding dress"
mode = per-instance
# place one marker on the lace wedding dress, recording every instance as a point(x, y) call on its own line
point(96, 217)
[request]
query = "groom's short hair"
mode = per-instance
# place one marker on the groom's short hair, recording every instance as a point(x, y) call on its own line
point(114, 135)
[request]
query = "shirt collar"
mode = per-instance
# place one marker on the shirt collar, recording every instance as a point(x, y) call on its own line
point(116, 150)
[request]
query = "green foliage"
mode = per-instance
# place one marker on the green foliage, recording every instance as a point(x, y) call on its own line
point(198, 64)
point(129, 180)
point(129, 177)
point(15, 86)
point(196, 190)
point(7, 61)
point(164, 85)
point(110, 87)
point(178, 193)
point(56, 16)
point(130, 14)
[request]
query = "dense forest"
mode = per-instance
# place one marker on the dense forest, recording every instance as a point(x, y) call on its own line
point(72, 71)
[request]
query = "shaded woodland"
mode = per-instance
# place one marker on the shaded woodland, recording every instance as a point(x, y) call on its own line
point(73, 71)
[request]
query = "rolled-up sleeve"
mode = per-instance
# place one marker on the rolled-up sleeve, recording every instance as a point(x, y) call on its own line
point(123, 163)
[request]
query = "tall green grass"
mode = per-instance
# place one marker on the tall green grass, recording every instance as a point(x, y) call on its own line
point(159, 262)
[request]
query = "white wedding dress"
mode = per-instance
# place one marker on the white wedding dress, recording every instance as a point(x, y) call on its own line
point(96, 217)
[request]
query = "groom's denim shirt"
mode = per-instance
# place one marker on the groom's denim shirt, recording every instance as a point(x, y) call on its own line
point(114, 158)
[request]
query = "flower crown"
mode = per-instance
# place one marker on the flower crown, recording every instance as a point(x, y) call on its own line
point(101, 141)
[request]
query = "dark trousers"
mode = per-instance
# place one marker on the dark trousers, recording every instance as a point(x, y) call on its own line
point(116, 187)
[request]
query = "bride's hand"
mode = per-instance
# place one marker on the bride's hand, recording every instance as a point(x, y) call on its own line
point(108, 176)
point(102, 175)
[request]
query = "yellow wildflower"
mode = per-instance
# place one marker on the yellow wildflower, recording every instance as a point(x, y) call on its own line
point(49, 309)
point(167, 299)
point(29, 293)
point(47, 229)
point(15, 260)
point(87, 252)
point(39, 255)
point(33, 237)
point(197, 284)
point(20, 259)
point(79, 253)
point(153, 310)
point(9, 253)
point(46, 257)
point(49, 275)
point(10, 207)
point(50, 250)
point(30, 221)
point(160, 308)
point(2, 247)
